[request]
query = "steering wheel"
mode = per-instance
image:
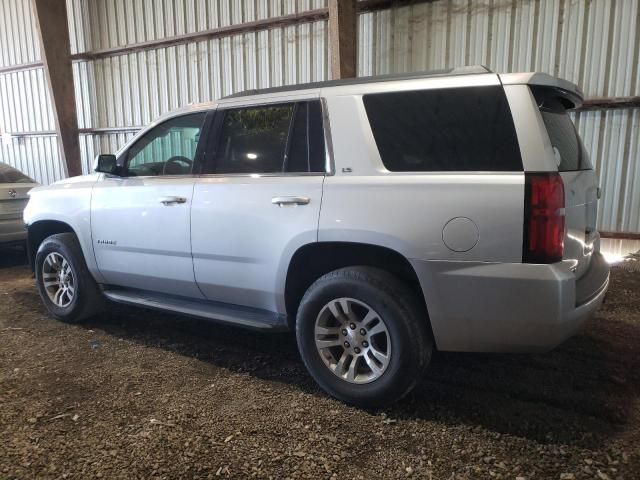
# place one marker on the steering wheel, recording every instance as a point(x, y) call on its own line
point(178, 163)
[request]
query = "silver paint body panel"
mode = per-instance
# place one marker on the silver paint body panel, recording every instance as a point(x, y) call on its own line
point(243, 243)
point(13, 200)
point(151, 246)
point(231, 242)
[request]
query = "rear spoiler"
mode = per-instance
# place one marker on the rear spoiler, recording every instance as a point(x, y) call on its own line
point(567, 90)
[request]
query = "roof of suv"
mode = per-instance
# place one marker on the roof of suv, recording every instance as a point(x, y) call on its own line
point(567, 90)
point(474, 69)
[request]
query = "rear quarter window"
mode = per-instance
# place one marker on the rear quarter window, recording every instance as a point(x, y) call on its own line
point(456, 129)
point(568, 148)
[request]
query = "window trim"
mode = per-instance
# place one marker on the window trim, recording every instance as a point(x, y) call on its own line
point(287, 145)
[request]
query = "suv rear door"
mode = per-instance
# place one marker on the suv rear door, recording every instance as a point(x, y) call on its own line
point(578, 176)
point(257, 201)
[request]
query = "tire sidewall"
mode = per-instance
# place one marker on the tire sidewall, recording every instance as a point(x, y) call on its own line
point(404, 365)
point(71, 312)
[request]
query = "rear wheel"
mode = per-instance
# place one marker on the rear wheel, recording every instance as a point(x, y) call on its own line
point(363, 336)
point(64, 283)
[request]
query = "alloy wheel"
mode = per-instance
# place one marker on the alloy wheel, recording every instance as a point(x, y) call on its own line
point(58, 280)
point(352, 340)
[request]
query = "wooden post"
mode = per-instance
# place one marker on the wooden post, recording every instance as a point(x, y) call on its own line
point(343, 38)
point(51, 21)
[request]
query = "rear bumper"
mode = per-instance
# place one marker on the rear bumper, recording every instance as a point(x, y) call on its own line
point(12, 231)
point(509, 307)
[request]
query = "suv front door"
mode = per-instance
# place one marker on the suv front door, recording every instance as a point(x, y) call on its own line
point(141, 220)
point(258, 200)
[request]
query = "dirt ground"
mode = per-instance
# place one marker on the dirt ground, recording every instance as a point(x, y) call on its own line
point(138, 394)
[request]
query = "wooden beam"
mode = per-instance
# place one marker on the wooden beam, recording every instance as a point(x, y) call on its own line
point(226, 31)
point(20, 67)
point(343, 38)
point(53, 28)
point(620, 235)
point(610, 103)
point(377, 5)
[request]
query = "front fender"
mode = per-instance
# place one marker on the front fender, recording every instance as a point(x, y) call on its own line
point(67, 202)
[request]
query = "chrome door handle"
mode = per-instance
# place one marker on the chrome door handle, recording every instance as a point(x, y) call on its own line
point(172, 200)
point(280, 201)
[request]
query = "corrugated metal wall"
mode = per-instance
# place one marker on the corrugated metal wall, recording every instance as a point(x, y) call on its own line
point(25, 105)
point(133, 89)
point(18, 40)
point(595, 43)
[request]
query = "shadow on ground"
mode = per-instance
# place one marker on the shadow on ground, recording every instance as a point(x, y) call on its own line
point(12, 256)
point(582, 393)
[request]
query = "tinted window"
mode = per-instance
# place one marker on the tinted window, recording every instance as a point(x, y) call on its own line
point(306, 151)
point(317, 158)
point(298, 156)
point(168, 149)
point(458, 129)
point(568, 148)
point(253, 140)
point(271, 139)
point(11, 175)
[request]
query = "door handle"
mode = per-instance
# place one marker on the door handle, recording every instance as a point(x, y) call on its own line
point(281, 201)
point(172, 200)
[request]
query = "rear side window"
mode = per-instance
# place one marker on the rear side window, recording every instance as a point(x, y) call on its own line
point(567, 146)
point(270, 139)
point(253, 140)
point(456, 129)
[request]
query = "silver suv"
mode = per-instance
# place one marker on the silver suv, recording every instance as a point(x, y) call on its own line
point(379, 218)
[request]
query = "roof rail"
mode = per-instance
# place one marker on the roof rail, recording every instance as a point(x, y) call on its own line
point(466, 70)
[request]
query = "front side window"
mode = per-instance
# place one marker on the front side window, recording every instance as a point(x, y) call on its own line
point(168, 149)
point(270, 139)
point(452, 129)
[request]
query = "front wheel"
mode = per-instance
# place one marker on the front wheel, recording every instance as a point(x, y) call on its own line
point(363, 336)
point(64, 283)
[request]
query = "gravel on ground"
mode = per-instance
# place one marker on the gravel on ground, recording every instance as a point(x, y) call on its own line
point(140, 394)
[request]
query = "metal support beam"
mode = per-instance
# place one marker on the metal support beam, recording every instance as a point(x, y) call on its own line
point(343, 38)
point(53, 29)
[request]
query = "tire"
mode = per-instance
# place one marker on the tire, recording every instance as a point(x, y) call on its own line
point(84, 299)
point(407, 343)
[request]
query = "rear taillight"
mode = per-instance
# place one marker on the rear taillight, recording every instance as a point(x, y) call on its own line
point(543, 218)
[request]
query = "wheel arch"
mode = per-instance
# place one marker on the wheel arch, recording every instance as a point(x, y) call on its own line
point(41, 229)
point(311, 261)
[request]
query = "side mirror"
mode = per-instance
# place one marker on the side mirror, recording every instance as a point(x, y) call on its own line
point(106, 163)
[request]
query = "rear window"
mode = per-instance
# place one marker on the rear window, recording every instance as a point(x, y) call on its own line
point(567, 146)
point(11, 175)
point(456, 129)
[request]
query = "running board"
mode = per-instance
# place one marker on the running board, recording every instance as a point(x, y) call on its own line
point(246, 317)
